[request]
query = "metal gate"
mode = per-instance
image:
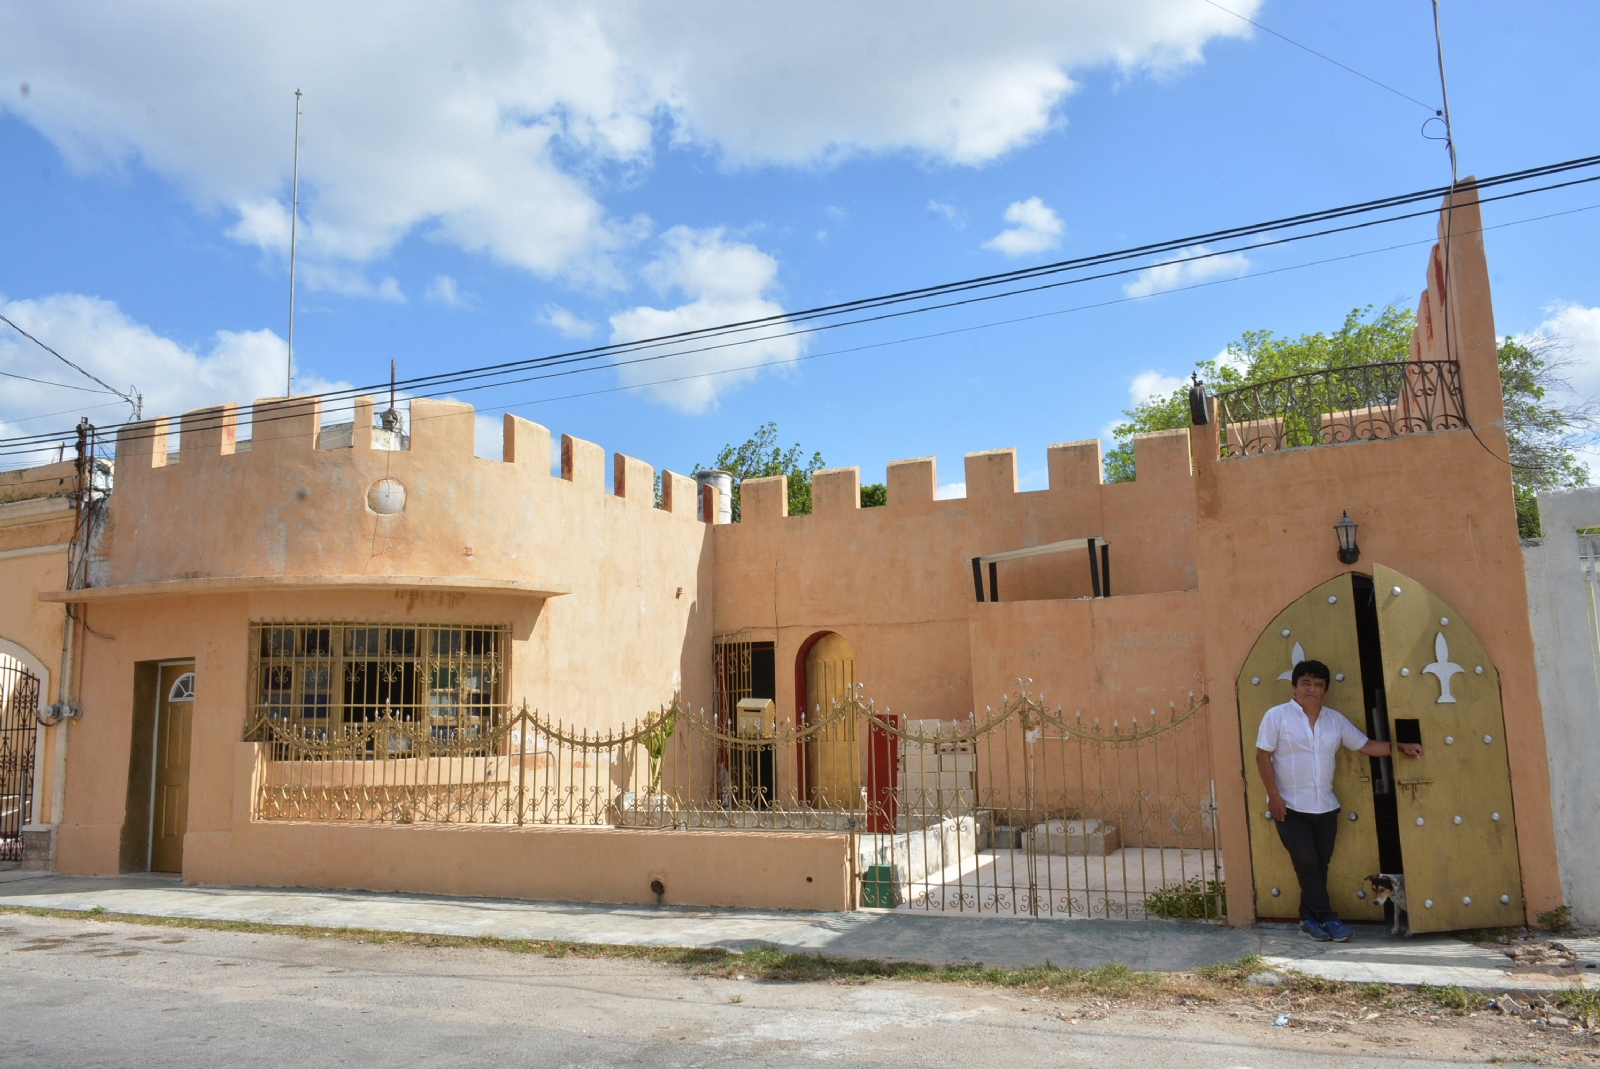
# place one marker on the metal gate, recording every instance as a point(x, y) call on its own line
point(19, 707)
point(1042, 813)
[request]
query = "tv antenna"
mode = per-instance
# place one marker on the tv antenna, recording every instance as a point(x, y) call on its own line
point(1444, 91)
point(294, 219)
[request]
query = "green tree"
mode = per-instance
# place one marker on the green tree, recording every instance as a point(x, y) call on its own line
point(1367, 337)
point(760, 456)
point(873, 495)
point(1542, 432)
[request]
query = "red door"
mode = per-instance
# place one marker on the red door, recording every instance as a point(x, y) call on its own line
point(883, 765)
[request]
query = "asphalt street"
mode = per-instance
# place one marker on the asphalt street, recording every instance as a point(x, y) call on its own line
point(86, 993)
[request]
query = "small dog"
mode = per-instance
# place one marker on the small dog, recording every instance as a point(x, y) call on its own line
point(1389, 890)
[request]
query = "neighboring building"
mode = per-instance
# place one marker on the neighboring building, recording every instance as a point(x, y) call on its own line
point(346, 659)
point(1563, 599)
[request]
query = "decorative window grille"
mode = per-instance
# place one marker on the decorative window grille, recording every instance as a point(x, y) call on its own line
point(731, 671)
point(442, 683)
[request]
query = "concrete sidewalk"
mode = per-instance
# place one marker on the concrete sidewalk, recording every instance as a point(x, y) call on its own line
point(898, 936)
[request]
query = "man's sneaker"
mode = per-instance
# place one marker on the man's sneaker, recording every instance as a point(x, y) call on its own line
point(1337, 930)
point(1311, 929)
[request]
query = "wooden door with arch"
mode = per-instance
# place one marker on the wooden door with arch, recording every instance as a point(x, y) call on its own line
point(1458, 835)
point(1320, 625)
point(169, 811)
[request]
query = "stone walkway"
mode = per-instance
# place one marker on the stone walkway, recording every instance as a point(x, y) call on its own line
point(933, 938)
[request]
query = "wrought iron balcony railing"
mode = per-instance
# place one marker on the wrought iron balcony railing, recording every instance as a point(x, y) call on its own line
point(1368, 402)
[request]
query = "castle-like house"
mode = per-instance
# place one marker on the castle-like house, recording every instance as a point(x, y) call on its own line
point(347, 657)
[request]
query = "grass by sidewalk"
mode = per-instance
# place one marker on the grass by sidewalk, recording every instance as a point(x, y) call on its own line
point(1229, 982)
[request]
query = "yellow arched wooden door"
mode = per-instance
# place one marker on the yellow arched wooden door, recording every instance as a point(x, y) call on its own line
point(1319, 626)
point(833, 765)
point(1457, 832)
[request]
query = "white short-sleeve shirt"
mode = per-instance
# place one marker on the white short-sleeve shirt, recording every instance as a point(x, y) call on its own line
point(1303, 759)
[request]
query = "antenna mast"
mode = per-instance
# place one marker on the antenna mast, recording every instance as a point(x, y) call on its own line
point(294, 219)
point(1444, 91)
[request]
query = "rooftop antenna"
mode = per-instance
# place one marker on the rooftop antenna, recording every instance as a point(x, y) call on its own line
point(391, 418)
point(1444, 91)
point(294, 219)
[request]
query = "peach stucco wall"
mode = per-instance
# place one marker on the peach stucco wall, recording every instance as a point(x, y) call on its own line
point(896, 581)
point(634, 628)
point(1205, 552)
point(1436, 507)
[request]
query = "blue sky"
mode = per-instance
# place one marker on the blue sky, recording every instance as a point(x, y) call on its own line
point(508, 180)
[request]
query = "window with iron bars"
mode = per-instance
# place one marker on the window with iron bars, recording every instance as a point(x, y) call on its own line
point(321, 679)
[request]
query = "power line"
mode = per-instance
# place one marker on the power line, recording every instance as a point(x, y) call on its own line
point(1283, 37)
point(441, 382)
point(1002, 322)
point(137, 404)
point(47, 382)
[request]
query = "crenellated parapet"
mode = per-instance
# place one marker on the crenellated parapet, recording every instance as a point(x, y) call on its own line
point(299, 498)
point(1074, 469)
point(911, 558)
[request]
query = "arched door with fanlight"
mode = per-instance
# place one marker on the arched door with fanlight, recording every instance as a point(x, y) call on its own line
point(169, 811)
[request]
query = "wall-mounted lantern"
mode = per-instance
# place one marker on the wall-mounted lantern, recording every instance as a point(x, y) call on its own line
point(1349, 552)
point(1198, 413)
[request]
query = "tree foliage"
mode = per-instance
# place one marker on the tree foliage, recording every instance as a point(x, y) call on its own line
point(1367, 337)
point(760, 456)
point(1541, 431)
point(874, 494)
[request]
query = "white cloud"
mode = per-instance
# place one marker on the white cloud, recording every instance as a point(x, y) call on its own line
point(950, 491)
point(570, 325)
point(1034, 228)
point(938, 209)
point(239, 366)
point(1149, 385)
point(723, 282)
point(446, 290)
point(1576, 330)
point(492, 128)
point(1176, 273)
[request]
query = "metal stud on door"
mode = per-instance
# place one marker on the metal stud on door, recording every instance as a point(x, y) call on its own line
point(1322, 626)
point(1457, 834)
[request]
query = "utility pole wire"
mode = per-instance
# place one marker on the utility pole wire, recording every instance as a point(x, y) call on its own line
point(135, 399)
point(294, 219)
point(1330, 59)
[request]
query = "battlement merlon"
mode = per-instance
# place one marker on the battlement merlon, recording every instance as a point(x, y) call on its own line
point(835, 491)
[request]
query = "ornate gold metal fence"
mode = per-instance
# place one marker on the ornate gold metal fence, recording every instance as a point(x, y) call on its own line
point(1025, 811)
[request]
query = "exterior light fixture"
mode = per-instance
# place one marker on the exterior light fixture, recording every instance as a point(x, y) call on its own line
point(1349, 552)
point(1198, 413)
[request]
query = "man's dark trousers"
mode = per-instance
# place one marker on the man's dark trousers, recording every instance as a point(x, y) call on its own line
point(1309, 839)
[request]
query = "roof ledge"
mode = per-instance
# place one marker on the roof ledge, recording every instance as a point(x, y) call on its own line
point(262, 584)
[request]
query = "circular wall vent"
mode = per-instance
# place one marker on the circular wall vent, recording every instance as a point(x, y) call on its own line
point(387, 497)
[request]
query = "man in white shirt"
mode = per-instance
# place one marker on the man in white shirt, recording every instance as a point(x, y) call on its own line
point(1296, 750)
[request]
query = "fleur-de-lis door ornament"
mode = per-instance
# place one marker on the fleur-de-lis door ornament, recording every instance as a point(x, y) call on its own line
point(1443, 668)
point(1296, 655)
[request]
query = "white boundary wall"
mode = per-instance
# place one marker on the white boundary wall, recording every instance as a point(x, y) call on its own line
point(1568, 660)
